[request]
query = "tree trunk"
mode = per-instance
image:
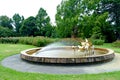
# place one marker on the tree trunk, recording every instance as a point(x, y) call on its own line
point(74, 32)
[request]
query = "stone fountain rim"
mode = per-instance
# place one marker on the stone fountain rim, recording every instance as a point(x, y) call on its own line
point(109, 51)
point(87, 59)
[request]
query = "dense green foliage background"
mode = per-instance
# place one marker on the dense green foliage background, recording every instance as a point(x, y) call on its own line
point(96, 19)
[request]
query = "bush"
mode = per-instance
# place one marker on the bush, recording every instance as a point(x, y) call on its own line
point(116, 44)
point(12, 40)
point(97, 41)
point(36, 41)
point(43, 41)
point(26, 40)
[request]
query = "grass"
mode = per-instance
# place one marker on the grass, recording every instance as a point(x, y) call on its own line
point(108, 45)
point(9, 74)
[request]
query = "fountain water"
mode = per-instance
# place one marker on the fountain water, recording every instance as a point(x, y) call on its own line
point(67, 52)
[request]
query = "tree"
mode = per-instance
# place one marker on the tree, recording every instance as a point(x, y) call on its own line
point(17, 22)
point(69, 15)
point(111, 6)
point(29, 27)
point(6, 22)
point(66, 18)
point(43, 23)
point(84, 18)
point(86, 24)
point(6, 32)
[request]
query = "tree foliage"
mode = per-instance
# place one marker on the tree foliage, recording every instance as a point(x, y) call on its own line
point(28, 27)
point(43, 23)
point(17, 22)
point(32, 26)
point(69, 15)
point(98, 19)
point(6, 32)
point(111, 6)
point(6, 22)
point(86, 18)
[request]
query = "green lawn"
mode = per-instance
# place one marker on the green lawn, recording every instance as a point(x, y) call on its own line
point(9, 74)
point(108, 45)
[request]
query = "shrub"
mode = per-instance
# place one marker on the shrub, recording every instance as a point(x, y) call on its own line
point(36, 41)
point(116, 44)
point(26, 40)
point(12, 40)
point(97, 41)
point(42, 41)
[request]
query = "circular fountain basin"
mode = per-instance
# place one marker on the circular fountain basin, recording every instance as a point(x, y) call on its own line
point(66, 55)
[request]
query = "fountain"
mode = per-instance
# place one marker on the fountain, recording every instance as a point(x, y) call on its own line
point(83, 53)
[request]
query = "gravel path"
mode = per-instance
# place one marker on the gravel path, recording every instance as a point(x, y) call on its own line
point(16, 63)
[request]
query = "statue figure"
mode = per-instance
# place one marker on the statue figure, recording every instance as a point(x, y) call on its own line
point(86, 47)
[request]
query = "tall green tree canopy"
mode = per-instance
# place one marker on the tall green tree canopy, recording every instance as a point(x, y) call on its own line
point(29, 27)
point(113, 7)
point(86, 18)
point(43, 23)
point(70, 13)
point(17, 21)
point(6, 22)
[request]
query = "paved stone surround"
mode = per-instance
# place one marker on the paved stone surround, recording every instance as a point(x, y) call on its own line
point(87, 59)
point(16, 63)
